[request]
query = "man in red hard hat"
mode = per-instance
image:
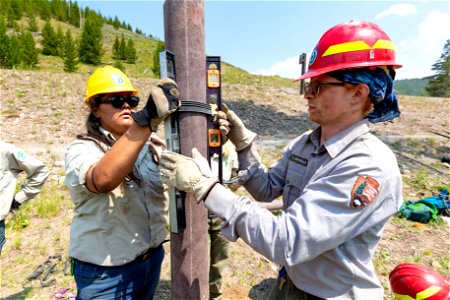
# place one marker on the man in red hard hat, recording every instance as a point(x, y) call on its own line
point(339, 183)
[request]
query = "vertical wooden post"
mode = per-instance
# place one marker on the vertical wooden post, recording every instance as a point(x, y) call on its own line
point(184, 36)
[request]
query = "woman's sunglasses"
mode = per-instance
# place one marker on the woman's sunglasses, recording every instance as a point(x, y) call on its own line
point(118, 101)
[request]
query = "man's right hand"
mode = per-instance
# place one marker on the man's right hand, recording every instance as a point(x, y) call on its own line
point(232, 127)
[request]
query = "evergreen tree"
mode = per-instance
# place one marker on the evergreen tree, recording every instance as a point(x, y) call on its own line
point(90, 49)
point(131, 52)
point(155, 68)
point(439, 84)
point(15, 9)
point(74, 14)
point(116, 23)
point(59, 10)
point(122, 49)
point(4, 45)
point(115, 49)
point(32, 24)
point(59, 41)
point(15, 55)
point(49, 43)
point(70, 54)
point(29, 53)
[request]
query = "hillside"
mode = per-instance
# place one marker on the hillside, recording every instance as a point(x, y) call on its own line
point(42, 111)
point(411, 87)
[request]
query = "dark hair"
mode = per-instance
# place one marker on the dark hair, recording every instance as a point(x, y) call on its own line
point(94, 134)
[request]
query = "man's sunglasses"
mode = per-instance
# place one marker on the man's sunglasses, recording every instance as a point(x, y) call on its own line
point(314, 87)
point(118, 101)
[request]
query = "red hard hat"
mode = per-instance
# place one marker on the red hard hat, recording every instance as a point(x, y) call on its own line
point(414, 281)
point(353, 44)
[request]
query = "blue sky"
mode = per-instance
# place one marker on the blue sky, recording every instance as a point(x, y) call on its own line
point(266, 37)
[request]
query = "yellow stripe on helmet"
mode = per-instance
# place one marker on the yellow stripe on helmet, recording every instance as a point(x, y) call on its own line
point(421, 295)
point(358, 46)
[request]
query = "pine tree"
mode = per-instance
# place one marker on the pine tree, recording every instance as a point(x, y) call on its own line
point(32, 24)
point(59, 41)
point(4, 45)
point(131, 52)
point(29, 54)
point(16, 9)
point(90, 49)
point(116, 22)
point(70, 54)
point(122, 49)
point(49, 44)
point(115, 49)
point(439, 84)
point(74, 14)
point(15, 55)
point(155, 68)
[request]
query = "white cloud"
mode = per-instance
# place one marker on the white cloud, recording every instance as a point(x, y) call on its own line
point(402, 9)
point(289, 68)
point(420, 52)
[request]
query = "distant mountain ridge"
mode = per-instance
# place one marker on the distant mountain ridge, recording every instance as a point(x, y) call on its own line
point(411, 87)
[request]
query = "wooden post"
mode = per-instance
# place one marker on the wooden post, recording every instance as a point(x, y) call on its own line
point(184, 36)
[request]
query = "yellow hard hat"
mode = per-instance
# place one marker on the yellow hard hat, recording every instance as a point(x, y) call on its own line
point(107, 80)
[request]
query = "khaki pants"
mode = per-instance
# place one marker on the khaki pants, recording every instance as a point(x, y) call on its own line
point(284, 289)
point(218, 257)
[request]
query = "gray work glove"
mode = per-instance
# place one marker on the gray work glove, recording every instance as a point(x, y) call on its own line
point(232, 128)
point(192, 175)
point(162, 101)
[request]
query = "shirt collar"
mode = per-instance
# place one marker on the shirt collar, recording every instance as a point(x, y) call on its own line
point(337, 143)
point(108, 134)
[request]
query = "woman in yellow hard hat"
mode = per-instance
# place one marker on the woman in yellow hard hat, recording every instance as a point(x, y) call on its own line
point(119, 221)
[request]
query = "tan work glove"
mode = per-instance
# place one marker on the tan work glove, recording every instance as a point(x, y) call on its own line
point(192, 175)
point(162, 101)
point(232, 128)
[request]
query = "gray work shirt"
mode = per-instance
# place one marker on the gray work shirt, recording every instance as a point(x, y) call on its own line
point(112, 229)
point(13, 161)
point(337, 199)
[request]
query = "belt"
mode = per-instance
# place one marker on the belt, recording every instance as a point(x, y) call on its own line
point(144, 256)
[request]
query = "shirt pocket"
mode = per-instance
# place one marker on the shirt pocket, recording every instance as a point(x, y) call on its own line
point(295, 179)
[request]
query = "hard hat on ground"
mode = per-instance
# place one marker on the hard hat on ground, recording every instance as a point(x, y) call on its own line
point(353, 44)
point(107, 80)
point(413, 281)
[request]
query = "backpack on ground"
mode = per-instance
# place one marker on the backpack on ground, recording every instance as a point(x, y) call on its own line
point(427, 209)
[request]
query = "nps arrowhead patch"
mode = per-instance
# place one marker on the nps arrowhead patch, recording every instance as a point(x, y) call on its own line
point(364, 191)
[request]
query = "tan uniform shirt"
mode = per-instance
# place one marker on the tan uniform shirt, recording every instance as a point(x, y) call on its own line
point(14, 161)
point(112, 229)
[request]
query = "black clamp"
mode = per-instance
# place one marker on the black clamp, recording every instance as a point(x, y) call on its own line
point(195, 106)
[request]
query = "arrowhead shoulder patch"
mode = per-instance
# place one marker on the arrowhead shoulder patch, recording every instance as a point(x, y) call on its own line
point(364, 191)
